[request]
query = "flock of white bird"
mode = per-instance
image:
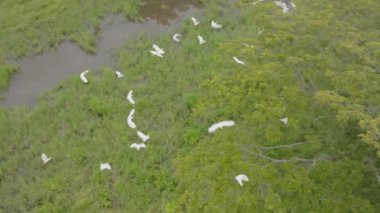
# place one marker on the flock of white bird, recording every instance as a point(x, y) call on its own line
point(159, 52)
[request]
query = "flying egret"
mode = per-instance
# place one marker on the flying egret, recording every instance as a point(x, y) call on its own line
point(129, 119)
point(215, 25)
point(260, 31)
point(83, 77)
point(143, 136)
point(105, 166)
point(195, 21)
point(220, 125)
point(45, 158)
point(138, 146)
point(158, 49)
point(130, 97)
point(201, 40)
point(238, 60)
point(155, 53)
point(283, 6)
point(241, 178)
point(284, 120)
point(119, 74)
point(176, 37)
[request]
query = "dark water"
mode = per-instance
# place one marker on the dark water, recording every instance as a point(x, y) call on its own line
point(42, 72)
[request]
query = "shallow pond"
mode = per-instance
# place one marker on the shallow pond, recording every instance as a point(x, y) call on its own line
point(39, 73)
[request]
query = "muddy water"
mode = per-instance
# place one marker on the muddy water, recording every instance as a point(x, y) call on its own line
point(42, 72)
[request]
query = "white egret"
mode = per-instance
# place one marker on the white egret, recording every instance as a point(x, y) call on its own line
point(215, 25)
point(105, 166)
point(138, 146)
point(45, 158)
point(238, 60)
point(83, 77)
point(130, 97)
point(240, 178)
point(201, 40)
point(158, 49)
point(154, 53)
point(260, 31)
point(195, 21)
point(283, 6)
point(247, 45)
point(284, 120)
point(220, 125)
point(129, 119)
point(176, 37)
point(119, 74)
point(143, 136)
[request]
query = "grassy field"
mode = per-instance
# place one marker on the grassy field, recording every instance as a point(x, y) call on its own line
point(318, 66)
point(30, 27)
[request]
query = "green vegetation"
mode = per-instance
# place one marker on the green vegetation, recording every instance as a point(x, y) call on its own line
point(32, 26)
point(318, 66)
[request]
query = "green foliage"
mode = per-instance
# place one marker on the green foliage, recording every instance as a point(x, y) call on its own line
point(317, 65)
point(6, 72)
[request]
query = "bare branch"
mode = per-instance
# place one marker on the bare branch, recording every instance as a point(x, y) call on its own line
point(294, 159)
point(265, 148)
point(374, 170)
point(256, 2)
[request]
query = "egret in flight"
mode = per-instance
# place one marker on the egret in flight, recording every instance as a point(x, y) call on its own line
point(176, 37)
point(119, 74)
point(138, 146)
point(284, 120)
point(45, 158)
point(238, 61)
point(143, 136)
point(105, 166)
point(129, 119)
point(130, 97)
point(158, 49)
point(155, 53)
point(83, 77)
point(241, 178)
point(195, 21)
point(215, 25)
point(201, 40)
point(220, 125)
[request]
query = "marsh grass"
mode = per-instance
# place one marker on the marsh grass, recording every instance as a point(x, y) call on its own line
point(177, 97)
point(31, 27)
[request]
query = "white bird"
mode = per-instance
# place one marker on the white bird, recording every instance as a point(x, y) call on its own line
point(247, 45)
point(283, 6)
point(176, 37)
point(260, 31)
point(158, 49)
point(201, 40)
point(45, 158)
point(195, 21)
point(238, 60)
point(83, 77)
point(220, 125)
point(215, 25)
point(130, 97)
point(143, 136)
point(284, 120)
point(105, 166)
point(138, 146)
point(119, 74)
point(241, 178)
point(155, 53)
point(129, 119)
